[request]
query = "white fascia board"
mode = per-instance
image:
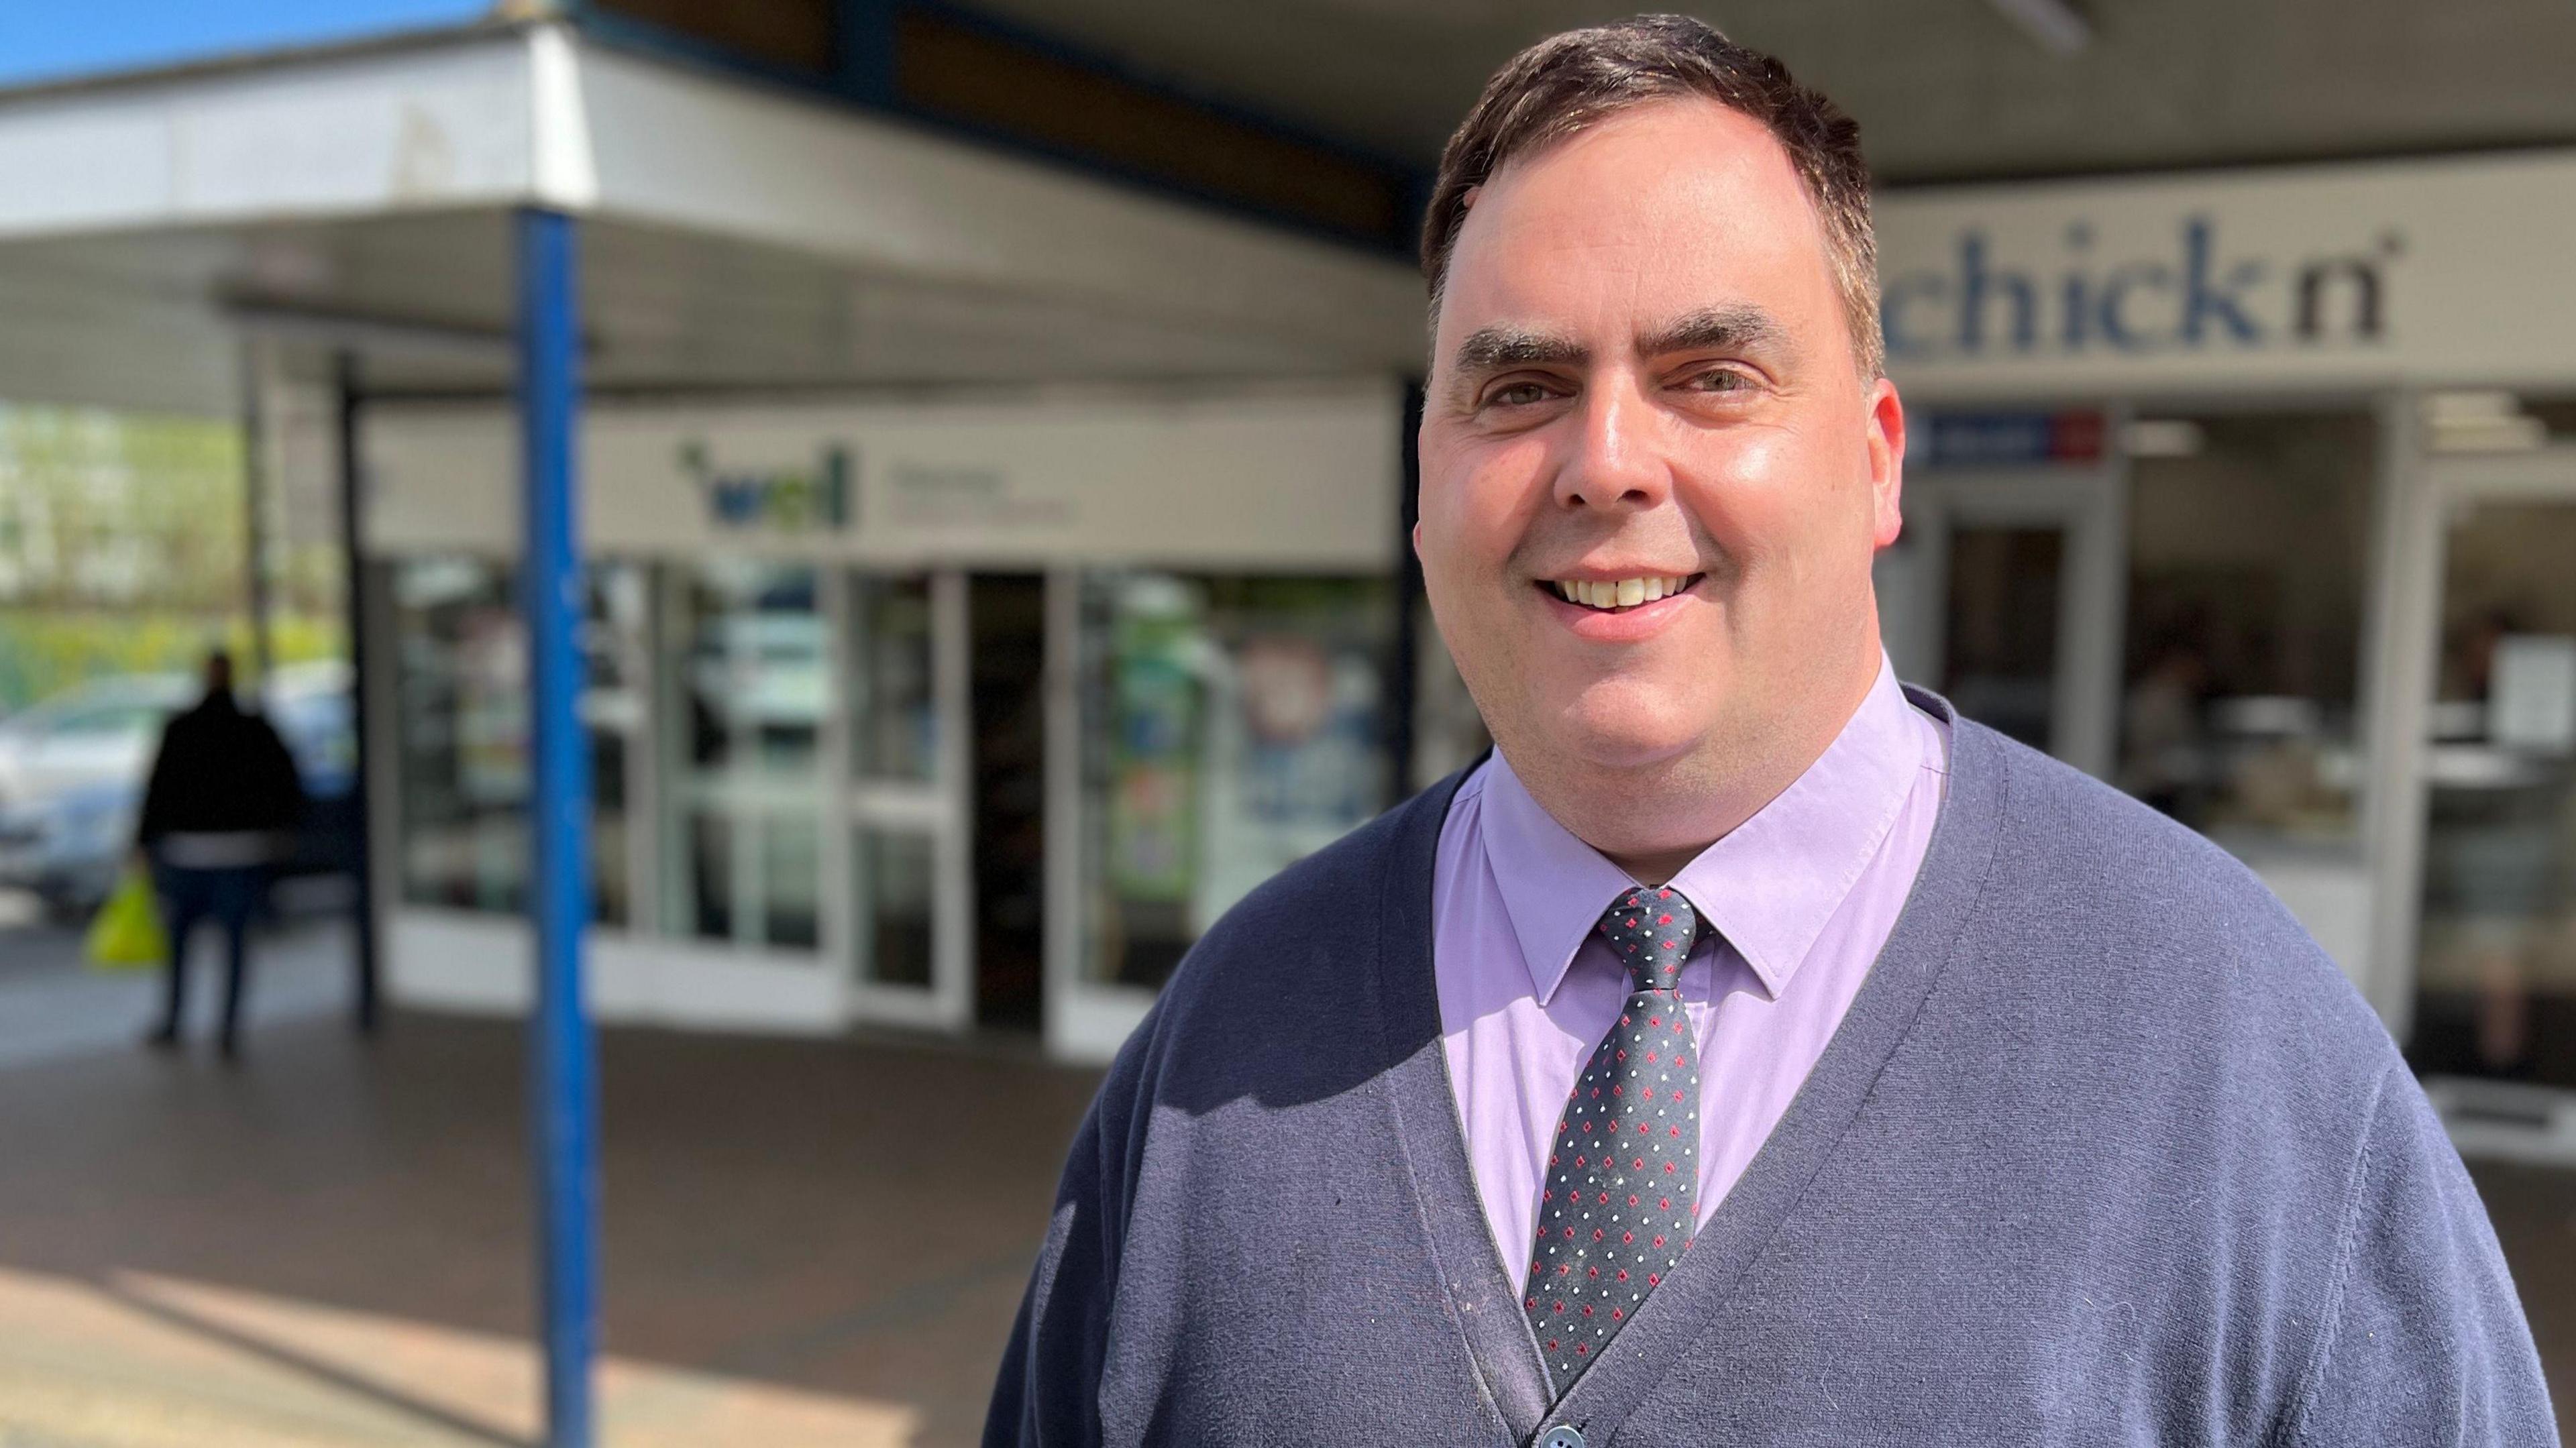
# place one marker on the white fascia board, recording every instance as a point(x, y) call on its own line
point(442, 125)
point(534, 116)
point(693, 152)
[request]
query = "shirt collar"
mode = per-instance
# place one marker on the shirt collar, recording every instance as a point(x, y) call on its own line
point(1768, 887)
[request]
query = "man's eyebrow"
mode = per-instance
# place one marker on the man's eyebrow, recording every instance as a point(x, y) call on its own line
point(1489, 349)
point(1736, 328)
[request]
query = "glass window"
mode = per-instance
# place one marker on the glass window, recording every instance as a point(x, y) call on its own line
point(2248, 545)
point(1230, 726)
point(461, 720)
point(2000, 650)
point(749, 663)
point(893, 716)
point(2496, 964)
point(892, 889)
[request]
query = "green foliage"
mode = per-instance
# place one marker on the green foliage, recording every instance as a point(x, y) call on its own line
point(44, 651)
point(124, 547)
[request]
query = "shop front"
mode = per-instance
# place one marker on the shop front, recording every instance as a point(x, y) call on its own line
point(2255, 494)
point(923, 713)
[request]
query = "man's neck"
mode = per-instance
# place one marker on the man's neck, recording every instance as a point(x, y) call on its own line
point(1654, 820)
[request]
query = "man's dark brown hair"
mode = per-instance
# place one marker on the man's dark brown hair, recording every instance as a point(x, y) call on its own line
point(1572, 81)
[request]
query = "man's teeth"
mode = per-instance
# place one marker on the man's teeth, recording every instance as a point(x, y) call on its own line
point(1625, 593)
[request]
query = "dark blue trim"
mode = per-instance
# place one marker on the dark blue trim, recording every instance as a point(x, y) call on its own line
point(563, 1078)
point(1072, 53)
point(866, 78)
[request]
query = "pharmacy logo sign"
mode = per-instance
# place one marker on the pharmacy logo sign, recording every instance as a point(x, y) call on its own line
point(790, 500)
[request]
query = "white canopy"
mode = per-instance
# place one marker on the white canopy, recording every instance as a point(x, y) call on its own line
point(739, 236)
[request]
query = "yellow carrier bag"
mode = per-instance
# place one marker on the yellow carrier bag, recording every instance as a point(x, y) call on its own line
point(127, 934)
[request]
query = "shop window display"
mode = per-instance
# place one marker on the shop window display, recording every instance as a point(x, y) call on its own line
point(2496, 966)
point(1231, 726)
point(2248, 550)
point(461, 717)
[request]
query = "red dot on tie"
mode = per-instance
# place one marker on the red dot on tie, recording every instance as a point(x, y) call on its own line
point(1663, 920)
point(1615, 1313)
point(1581, 1348)
point(1654, 1279)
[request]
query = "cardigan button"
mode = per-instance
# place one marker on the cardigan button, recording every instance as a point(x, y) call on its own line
point(1561, 1436)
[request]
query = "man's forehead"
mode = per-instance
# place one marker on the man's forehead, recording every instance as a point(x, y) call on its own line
point(1673, 210)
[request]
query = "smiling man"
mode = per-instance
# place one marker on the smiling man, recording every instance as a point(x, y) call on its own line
point(1749, 1050)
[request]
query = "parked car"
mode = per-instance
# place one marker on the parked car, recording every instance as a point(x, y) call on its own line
point(99, 732)
point(72, 771)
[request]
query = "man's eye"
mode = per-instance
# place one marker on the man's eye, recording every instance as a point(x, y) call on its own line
point(1718, 379)
point(1516, 394)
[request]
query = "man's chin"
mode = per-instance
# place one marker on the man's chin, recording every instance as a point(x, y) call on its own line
point(1624, 743)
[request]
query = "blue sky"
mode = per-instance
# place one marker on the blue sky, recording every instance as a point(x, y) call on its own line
point(52, 39)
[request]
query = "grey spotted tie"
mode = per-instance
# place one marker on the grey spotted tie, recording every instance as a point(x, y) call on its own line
point(1622, 1190)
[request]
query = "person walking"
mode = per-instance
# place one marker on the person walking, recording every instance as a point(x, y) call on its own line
point(219, 813)
point(1751, 1049)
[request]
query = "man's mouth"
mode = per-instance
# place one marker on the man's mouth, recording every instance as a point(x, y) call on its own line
point(1612, 595)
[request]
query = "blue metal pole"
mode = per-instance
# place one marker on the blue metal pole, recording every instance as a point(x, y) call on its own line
point(563, 1078)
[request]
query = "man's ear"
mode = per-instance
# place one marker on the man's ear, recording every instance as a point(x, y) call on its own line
point(1886, 427)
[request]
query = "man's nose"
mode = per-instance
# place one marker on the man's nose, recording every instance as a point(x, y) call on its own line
point(1615, 460)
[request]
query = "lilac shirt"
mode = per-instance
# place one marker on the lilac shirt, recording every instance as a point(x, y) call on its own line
point(1801, 896)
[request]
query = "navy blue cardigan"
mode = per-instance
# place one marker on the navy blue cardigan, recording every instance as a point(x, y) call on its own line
point(2106, 1151)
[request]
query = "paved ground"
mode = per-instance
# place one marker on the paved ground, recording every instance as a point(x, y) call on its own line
point(804, 1242)
point(53, 1009)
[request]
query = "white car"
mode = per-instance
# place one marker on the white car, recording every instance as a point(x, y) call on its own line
point(95, 733)
point(72, 771)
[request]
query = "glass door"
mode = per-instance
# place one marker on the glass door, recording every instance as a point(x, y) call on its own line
point(2495, 958)
point(904, 920)
point(2004, 595)
point(749, 663)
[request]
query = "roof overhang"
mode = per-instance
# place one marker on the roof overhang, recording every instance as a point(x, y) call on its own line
point(142, 211)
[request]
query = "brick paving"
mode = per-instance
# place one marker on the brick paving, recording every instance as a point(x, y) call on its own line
point(803, 1241)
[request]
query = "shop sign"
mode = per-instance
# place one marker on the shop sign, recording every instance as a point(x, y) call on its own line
point(794, 500)
point(2359, 275)
point(2192, 293)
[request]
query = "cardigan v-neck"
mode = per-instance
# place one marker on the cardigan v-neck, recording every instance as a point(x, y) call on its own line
point(2104, 1151)
point(1507, 1356)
